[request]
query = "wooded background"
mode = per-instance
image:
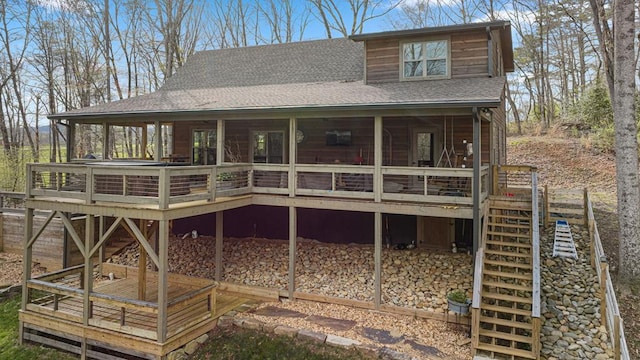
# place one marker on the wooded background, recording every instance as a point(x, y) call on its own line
point(59, 55)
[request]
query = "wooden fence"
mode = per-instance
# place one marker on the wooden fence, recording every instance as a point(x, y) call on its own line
point(609, 310)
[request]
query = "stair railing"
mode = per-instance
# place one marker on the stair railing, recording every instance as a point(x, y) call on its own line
point(535, 252)
point(477, 282)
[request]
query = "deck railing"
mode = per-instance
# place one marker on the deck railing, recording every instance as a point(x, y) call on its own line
point(59, 295)
point(166, 185)
point(609, 310)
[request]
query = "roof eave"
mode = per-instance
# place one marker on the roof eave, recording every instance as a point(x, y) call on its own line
point(449, 104)
point(431, 30)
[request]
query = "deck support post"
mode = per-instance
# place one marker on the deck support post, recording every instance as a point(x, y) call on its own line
point(293, 230)
point(87, 286)
point(477, 156)
point(144, 143)
point(377, 270)
point(219, 243)
point(163, 276)
point(106, 140)
point(377, 159)
point(26, 263)
point(101, 225)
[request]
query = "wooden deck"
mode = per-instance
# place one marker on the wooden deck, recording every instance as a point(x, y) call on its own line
point(118, 318)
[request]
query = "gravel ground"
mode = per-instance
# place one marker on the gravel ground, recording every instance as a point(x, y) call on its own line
point(11, 269)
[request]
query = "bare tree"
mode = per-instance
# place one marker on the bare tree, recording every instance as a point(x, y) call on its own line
point(626, 140)
point(333, 16)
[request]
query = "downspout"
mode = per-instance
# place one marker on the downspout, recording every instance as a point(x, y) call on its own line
point(476, 179)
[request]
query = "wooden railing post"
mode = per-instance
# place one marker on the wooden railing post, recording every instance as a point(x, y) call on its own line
point(213, 175)
point(495, 179)
point(89, 185)
point(164, 190)
point(536, 337)
point(547, 206)
point(475, 330)
point(603, 289)
point(586, 207)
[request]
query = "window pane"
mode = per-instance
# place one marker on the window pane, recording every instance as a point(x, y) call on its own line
point(413, 68)
point(413, 51)
point(436, 67)
point(437, 50)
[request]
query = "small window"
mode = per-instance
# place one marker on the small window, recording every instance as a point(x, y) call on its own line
point(204, 147)
point(426, 60)
point(268, 147)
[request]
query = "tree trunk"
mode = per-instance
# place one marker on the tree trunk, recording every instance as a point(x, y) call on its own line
point(626, 141)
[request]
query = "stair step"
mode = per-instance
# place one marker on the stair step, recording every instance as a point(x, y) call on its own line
point(507, 263)
point(506, 336)
point(505, 297)
point(507, 286)
point(503, 309)
point(504, 274)
point(509, 234)
point(510, 216)
point(510, 226)
point(505, 243)
point(507, 253)
point(506, 350)
point(503, 322)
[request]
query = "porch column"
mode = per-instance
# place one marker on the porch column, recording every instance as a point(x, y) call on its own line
point(106, 141)
point(26, 261)
point(377, 158)
point(71, 140)
point(219, 142)
point(89, 229)
point(143, 141)
point(293, 127)
point(163, 277)
point(476, 179)
point(293, 230)
point(377, 271)
point(219, 240)
point(157, 154)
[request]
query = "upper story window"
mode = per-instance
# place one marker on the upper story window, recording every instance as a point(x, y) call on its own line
point(425, 60)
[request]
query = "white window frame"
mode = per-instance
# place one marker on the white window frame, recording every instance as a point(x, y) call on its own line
point(252, 134)
point(425, 58)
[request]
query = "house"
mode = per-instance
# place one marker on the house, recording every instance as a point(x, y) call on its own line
point(401, 125)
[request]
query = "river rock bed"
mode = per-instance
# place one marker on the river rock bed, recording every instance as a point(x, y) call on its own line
point(416, 278)
point(570, 306)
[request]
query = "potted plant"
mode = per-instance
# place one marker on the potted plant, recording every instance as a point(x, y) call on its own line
point(458, 302)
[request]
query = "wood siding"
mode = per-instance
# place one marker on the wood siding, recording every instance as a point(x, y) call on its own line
point(469, 56)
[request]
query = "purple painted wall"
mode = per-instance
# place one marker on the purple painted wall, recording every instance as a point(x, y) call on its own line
point(324, 225)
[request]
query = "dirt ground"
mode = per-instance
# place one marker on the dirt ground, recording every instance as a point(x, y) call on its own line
point(564, 163)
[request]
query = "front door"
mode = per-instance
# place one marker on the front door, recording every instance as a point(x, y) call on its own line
point(424, 149)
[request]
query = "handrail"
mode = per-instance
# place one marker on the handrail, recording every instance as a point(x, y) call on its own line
point(535, 245)
point(610, 312)
point(166, 185)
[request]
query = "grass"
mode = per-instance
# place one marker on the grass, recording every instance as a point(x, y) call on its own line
point(9, 347)
point(237, 343)
point(224, 344)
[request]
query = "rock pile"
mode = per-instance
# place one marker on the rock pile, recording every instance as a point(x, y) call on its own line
point(572, 327)
point(414, 278)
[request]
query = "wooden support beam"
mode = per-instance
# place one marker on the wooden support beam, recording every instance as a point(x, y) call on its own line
point(475, 191)
point(144, 142)
point(26, 265)
point(377, 159)
point(101, 224)
point(143, 241)
point(219, 243)
point(163, 279)
point(72, 232)
point(106, 141)
point(377, 270)
point(104, 236)
point(35, 236)
point(142, 264)
point(293, 230)
point(89, 231)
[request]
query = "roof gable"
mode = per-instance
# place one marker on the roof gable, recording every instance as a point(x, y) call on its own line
point(302, 62)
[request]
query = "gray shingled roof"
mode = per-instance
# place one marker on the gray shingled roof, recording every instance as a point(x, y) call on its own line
point(325, 74)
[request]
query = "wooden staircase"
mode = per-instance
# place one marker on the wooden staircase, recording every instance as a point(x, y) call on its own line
point(503, 326)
